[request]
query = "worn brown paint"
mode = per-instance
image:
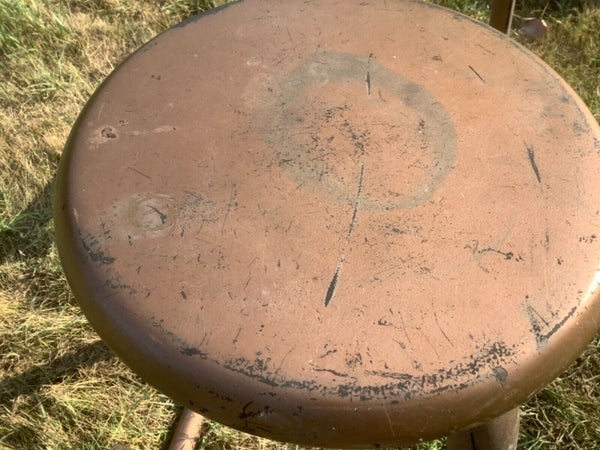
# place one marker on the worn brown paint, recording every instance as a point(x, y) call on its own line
point(336, 224)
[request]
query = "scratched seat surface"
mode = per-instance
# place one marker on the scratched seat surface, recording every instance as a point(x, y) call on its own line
point(336, 224)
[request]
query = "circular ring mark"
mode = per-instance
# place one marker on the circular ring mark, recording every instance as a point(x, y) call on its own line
point(338, 111)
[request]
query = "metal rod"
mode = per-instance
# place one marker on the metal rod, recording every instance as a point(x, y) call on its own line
point(187, 432)
point(502, 14)
point(501, 433)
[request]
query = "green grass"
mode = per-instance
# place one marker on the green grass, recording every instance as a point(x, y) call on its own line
point(60, 387)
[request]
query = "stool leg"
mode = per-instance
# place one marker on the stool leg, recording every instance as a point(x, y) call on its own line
point(187, 432)
point(501, 15)
point(500, 433)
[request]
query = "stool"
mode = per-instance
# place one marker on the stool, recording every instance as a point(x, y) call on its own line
point(347, 224)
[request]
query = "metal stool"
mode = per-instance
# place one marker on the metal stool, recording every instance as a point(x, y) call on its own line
point(297, 218)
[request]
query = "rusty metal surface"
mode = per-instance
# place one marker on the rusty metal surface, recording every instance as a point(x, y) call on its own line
point(336, 223)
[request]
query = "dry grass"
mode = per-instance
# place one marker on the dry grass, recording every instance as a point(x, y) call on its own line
point(60, 387)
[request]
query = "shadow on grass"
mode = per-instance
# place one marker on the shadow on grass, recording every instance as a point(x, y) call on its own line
point(53, 372)
point(28, 235)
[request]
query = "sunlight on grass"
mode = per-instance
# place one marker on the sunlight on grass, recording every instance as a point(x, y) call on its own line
point(60, 387)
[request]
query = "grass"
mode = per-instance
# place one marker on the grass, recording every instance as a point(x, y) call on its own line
point(60, 387)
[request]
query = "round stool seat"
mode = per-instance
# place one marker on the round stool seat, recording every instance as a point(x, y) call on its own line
point(338, 224)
